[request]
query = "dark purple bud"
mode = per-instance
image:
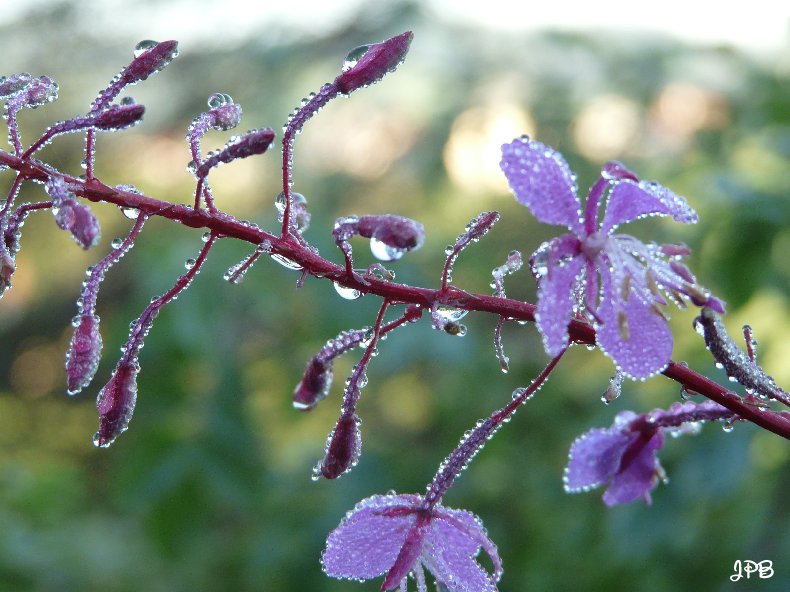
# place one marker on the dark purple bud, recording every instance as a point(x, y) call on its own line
point(84, 353)
point(119, 117)
point(314, 386)
point(80, 221)
point(40, 91)
point(343, 448)
point(7, 268)
point(368, 64)
point(10, 85)
point(149, 58)
point(225, 117)
point(617, 171)
point(253, 142)
point(391, 236)
point(116, 404)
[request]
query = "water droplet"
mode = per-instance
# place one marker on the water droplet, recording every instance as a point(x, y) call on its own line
point(353, 57)
point(131, 213)
point(127, 101)
point(449, 313)
point(116, 243)
point(144, 46)
point(206, 236)
point(455, 329)
point(698, 327)
point(384, 252)
point(285, 262)
point(219, 99)
point(347, 293)
point(189, 264)
point(75, 320)
point(192, 167)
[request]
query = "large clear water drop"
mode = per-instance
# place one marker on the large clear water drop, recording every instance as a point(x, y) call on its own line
point(144, 46)
point(353, 57)
point(347, 293)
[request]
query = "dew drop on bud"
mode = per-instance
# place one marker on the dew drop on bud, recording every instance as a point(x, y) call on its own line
point(384, 252)
point(116, 243)
point(347, 293)
point(219, 99)
point(144, 46)
point(353, 57)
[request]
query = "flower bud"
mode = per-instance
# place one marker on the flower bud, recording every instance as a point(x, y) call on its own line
point(225, 116)
point(379, 59)
point(84, 353)
point(253, 142)
point(119, 117)
point(391, 236)
point(314, 386)
point(116, 404)
point(80, 221)
point(10, 85)
point(40, 91)
point(343, 448)
point(150, 61)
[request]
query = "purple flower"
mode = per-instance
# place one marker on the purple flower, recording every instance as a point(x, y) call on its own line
point(618, 278)
point(624, 456)
point(399, 534)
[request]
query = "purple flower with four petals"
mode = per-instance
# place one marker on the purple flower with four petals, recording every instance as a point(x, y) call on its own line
point(623, 283)
point(624, 456)
point(400, 534)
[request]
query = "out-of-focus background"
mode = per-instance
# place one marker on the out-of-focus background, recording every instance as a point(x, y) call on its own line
point(210, 488)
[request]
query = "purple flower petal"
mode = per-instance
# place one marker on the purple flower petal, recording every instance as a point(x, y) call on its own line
point(541, 180)
point(555, 303)
point(450, 556)
point(634, 335)
point(595, 457)
point(367, 542)
point(637, 475)
point(630, 201)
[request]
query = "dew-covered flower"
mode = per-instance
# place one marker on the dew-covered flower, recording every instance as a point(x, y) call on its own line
point(623, 283)
point(398, 535)
point(624, 456)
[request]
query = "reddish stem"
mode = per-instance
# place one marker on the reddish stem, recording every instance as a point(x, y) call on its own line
point(225, 225)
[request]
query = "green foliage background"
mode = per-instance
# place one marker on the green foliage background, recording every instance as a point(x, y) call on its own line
point(210, 488)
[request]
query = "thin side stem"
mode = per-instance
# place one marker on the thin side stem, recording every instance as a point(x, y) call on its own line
point(328, 92)
point(143, 324)
point(471, 444)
